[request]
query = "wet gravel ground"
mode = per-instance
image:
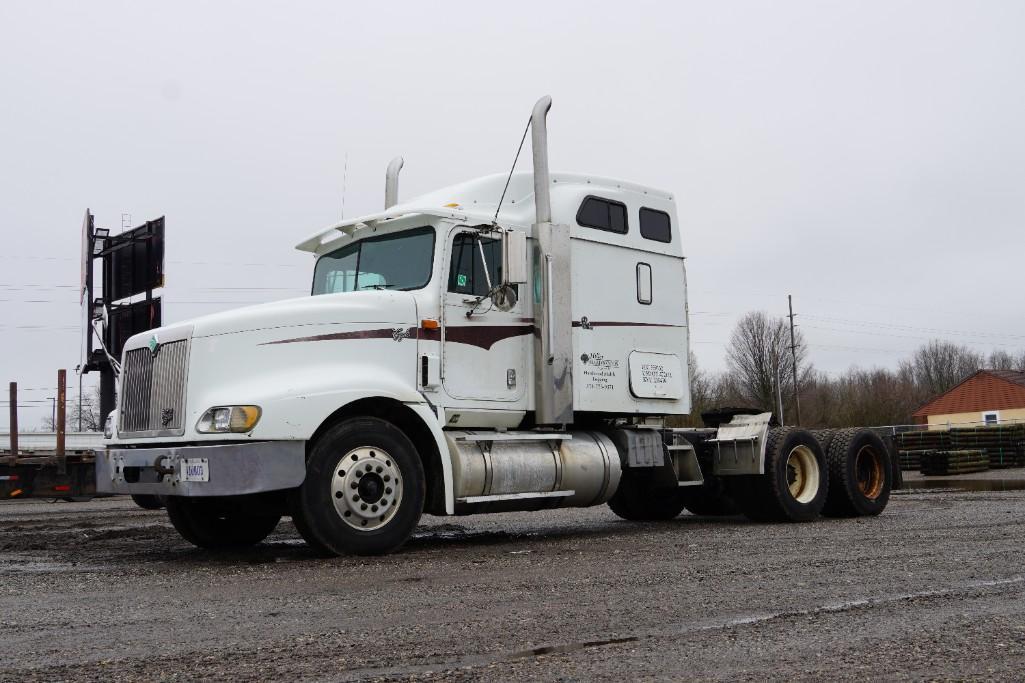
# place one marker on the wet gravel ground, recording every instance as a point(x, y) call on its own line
point(932, 589)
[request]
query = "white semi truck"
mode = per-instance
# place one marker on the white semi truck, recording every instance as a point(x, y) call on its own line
point(515, 342)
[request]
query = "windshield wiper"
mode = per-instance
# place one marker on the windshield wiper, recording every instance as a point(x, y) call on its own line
point(376, 286)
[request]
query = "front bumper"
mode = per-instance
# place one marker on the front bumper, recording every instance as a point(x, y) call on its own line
point(231, 469)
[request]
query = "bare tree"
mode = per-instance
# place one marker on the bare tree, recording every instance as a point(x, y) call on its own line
point(939, 366)
point(759, 349)
point(1001, 360)
point(92, 421)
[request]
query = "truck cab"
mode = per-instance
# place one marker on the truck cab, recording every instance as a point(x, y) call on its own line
point(509, 343)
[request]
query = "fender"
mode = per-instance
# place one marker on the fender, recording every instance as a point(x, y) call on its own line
point(430, 419)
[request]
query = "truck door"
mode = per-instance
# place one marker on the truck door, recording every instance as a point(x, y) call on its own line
point(483, 353)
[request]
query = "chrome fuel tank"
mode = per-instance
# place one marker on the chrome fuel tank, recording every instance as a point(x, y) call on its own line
point(504, 471)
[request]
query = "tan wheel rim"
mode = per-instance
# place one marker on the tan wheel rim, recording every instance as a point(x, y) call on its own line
point(868, 470)
point(803, 474)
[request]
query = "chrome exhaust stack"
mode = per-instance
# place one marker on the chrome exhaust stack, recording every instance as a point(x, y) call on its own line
point(539, 147)
point(553, 353)
point(391, 183)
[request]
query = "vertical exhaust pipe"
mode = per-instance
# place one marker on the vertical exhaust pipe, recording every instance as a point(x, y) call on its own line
point(391, 183)
point(553, 352)
point(539, 147)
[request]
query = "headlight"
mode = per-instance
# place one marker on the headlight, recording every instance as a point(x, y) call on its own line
point(108, 425)
point(222, 419)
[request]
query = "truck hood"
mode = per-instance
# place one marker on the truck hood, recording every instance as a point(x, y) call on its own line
point(311, 311)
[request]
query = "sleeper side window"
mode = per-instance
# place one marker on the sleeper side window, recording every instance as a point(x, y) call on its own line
point(655, 225)
point(467, 272)
point(603, 214)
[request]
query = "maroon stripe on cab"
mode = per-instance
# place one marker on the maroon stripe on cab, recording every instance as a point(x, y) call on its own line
point(383, 333)
point(481, 336)
point(617, 323)
point(484, 336)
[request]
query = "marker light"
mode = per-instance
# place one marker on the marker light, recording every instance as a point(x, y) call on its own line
point(222, 419)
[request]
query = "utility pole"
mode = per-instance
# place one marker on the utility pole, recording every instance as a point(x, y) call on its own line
point(779, 393)
point(79, 371)
point(61, 409)
point(14, 418)
point(793, 354)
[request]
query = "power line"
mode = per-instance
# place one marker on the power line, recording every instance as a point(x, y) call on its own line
point(913, 328)
point(905, 336)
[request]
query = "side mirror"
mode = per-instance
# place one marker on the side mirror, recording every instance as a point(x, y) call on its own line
point(514, 257)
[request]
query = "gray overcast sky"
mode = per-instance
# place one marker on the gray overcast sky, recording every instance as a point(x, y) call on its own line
point(865, 156)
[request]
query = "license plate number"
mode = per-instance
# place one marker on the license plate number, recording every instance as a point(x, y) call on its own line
point(195, 469)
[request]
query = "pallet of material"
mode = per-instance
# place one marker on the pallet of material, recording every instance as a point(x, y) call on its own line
point(930, 439)
point(912, 460)
point(943, 463)
point(1002, 443)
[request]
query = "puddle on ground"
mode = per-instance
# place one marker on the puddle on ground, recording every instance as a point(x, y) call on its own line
point(570, 647)
point(972, 485)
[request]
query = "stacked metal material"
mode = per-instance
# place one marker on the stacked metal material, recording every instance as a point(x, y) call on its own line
point(954, 462)
point(1004, 444)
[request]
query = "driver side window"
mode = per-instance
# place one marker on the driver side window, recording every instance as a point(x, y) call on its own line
point(467, 270)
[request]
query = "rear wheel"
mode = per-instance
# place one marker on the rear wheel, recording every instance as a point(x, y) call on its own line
point(795, 483)
point(638, 501)
point(216, 524)
point(860, 474)
point(364, 490)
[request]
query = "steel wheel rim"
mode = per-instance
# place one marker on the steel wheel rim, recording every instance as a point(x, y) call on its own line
point(868, 470)
point(366, 488)
point(802, 474)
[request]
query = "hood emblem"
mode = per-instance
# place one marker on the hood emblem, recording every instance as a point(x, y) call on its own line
point(399, 333)
point(153, 344)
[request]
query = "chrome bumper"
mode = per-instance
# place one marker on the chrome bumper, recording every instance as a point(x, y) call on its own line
point(232, 469)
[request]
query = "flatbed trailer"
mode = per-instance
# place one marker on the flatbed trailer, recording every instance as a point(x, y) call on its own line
point(44, 474)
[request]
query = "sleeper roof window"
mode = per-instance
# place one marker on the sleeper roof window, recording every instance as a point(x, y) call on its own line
point(603, 214)
point(655, 225)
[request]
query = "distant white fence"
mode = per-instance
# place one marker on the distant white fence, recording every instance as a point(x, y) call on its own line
point(47, 441)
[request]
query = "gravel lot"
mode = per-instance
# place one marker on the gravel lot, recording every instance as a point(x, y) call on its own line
point(932, 589)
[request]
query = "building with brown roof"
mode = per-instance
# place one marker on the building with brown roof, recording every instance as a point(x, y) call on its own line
point(987, 397)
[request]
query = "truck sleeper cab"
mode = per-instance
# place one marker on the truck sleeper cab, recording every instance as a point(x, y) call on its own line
point(510, 343)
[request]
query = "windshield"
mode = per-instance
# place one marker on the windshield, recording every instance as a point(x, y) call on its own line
point(401, 260)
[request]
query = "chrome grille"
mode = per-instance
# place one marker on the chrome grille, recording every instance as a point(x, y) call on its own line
point(153, 389)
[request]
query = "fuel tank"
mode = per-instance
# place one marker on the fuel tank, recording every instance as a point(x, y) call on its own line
point(507, 471)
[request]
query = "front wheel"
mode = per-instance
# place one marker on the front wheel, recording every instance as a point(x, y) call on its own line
point(364, 489)
point(148, 502)
point(217, 524)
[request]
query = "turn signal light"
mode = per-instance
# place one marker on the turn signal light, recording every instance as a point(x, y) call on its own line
point(220, 419)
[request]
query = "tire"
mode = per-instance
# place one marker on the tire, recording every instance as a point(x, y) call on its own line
point(795, 484)
point(364, 490)
point(709, 500)
point(301, 525)
point(824, 437)
point(148, 502)
point(860, 474)
point(637, 501)
point(215, 524)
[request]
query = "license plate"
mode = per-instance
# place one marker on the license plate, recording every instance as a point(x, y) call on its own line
point(195, 469)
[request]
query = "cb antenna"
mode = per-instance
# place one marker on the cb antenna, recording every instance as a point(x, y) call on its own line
point(508, 179)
